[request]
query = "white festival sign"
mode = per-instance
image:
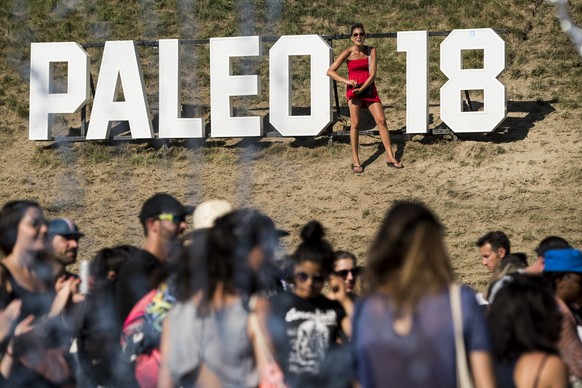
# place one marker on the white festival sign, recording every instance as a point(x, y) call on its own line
point(120, 68)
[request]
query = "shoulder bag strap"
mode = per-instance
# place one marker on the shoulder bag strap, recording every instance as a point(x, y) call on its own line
point(463, 374)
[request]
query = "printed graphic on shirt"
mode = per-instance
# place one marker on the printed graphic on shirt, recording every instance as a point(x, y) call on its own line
point(310, 333)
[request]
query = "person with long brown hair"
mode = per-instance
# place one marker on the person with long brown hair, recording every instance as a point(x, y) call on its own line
point(361, 93)
point(403, 327)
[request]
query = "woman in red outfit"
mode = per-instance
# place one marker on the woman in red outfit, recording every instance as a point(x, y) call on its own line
point(361, 93)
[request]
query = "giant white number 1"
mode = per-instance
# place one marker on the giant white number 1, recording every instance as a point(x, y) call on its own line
point(415, 44)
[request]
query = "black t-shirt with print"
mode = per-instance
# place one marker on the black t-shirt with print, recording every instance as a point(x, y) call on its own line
point(304, 331)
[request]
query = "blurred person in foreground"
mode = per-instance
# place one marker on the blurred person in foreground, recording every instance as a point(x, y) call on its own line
point(403, 327)
point(36, 352)
point(209, 338)
point(98, 327)
point(511, 263)
point(525, 331)
point(563, 268)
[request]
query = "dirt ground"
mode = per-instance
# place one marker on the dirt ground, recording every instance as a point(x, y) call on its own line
point(525, 179)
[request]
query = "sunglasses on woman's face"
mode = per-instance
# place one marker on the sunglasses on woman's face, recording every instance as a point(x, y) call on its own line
point(344, 273)
point(302, 277)
point(356, 34)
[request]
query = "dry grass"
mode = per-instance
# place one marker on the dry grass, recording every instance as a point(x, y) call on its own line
point(526, 180)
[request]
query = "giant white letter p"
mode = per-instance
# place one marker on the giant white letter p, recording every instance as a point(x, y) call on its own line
point(43, 102)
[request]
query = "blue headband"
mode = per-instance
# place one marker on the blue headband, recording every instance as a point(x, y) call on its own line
point(563, 260)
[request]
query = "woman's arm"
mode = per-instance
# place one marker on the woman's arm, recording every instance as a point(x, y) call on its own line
point(481, 364)
point(7, 361)
point(332, 71)
point(164, 377)
point(338, 293)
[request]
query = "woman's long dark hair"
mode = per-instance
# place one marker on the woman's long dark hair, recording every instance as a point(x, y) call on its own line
point(108, 261)
point(524, 317)
point(220, 256)
point(194, 274)
point(408, 256)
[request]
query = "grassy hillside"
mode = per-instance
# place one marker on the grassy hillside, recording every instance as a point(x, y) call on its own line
point(525, 179)
point(541, 64)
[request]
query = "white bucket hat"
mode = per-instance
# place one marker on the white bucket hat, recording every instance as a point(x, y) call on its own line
point(208, 212)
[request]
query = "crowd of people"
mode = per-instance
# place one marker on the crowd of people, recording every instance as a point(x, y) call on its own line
point(216, 305)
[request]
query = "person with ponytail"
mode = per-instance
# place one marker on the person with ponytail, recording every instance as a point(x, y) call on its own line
point(403, 328)
point(306, 327)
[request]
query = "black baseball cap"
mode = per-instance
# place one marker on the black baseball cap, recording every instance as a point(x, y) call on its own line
point(63, 227)
point(162, 203)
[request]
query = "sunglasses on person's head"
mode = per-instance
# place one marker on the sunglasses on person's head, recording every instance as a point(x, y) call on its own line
point(344, 272)
point(302, 277)
point(176, 219)
point(356, 34)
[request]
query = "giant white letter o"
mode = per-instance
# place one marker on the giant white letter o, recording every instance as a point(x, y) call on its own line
point(280, 85)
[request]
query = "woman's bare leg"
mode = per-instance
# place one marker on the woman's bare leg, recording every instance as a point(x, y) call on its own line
point(354, 134)
point(378, 114)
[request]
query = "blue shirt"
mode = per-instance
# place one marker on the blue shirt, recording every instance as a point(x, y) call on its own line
point(425, 357)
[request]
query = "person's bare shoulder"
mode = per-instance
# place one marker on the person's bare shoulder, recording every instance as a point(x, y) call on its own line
point(554, 373)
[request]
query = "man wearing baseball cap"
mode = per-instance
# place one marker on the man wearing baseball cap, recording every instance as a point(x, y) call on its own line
point(63, 237)
point(547, 244)
point(563, 268)
point(163, 219)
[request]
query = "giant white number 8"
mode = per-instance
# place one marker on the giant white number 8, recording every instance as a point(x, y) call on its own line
point(485, 79)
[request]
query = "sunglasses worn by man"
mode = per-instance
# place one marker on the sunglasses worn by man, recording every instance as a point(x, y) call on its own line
point(176, 219)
